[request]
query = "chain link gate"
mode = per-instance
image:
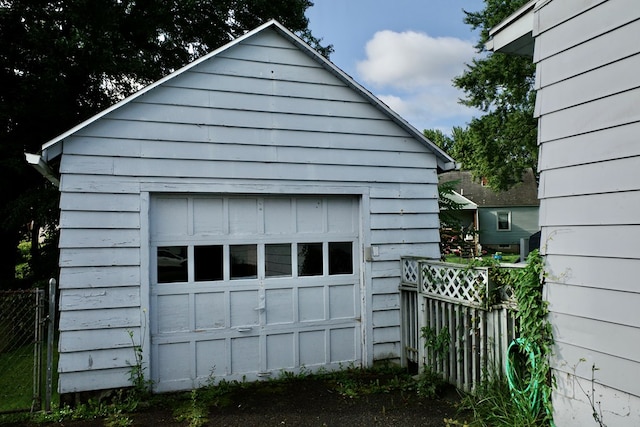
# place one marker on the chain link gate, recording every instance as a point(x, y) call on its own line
point(24, 328)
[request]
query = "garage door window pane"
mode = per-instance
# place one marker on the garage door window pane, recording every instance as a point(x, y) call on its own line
point(243, 261)
point(340, 258)
point(277, 260)
point(310, 259)
point(207, 262)
point(172, 264)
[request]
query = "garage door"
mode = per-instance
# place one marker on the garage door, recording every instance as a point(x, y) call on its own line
point(248, 287)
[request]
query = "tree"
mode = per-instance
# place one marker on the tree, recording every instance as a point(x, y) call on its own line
point(501, 144)
point(453, 145)
point(63, 61)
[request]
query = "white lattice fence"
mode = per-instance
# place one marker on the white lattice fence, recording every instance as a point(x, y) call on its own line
point(468, 284)
point(454, 298)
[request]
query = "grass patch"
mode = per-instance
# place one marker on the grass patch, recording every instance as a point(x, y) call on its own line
point(492, 405)
point(16, 378)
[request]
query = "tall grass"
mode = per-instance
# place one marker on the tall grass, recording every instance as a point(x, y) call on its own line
point(492, 405)
point(16, 378)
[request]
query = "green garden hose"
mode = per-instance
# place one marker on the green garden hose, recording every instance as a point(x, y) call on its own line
point(531, 393)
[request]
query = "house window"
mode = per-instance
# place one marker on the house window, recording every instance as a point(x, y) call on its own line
point(504, 221)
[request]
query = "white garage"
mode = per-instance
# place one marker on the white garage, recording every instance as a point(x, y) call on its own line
point(247, 287)
point(243, 216)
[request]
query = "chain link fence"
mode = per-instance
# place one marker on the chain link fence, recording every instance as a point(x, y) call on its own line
point(23, 325)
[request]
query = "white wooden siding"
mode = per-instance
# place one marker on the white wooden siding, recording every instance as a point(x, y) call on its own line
point(263, 117)
point(589, 148)
point(580, 58)
point(589, 125)
point(561, 28)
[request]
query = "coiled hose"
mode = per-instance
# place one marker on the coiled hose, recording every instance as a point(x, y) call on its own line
point(527, 398)
point(530, 393)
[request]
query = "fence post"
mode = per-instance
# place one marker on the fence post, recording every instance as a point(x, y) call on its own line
point(50, 338)
point(37, 351)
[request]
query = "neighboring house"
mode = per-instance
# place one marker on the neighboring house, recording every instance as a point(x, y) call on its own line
point(460, 237)
point(588, 91)
point(243, 216)
point(504, 217)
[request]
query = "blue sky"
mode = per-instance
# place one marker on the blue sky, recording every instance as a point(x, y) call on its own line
point(404, 51)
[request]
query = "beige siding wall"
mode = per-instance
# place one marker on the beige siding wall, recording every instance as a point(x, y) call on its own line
point(589, 132)
point(262, 117)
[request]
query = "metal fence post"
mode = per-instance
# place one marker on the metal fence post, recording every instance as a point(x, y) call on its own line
point(36, 402)
point(50, 338)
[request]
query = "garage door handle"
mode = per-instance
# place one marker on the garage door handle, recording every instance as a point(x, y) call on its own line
point(244, 329)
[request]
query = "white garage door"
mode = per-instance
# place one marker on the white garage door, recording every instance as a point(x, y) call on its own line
point(248, 287)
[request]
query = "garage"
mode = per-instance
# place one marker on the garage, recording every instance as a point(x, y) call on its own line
point(243, 216)
point(245, 287)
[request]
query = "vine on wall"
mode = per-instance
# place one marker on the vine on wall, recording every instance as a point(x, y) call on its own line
point(535, 340)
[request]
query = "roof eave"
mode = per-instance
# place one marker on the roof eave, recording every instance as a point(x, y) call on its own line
point(514, 35)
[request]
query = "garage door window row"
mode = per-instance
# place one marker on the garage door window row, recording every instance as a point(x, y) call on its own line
point(242, 261)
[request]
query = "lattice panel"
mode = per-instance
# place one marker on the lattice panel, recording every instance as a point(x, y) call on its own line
point(410, 270)
point(467, 284)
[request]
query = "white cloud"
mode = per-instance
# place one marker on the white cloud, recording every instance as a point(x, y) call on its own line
point(409, 59)
point(412, 74)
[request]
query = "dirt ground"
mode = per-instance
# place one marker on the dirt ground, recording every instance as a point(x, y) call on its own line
point(309, 402)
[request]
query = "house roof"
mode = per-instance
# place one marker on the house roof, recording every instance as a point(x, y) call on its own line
point(52, 148)
point(465, 203)
point(522, 194)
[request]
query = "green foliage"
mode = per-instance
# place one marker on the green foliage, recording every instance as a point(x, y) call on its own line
point(194, 412)
point(494, 403)
point(436, 344)
point(439, 138)
point(501, 144)
point(115, 410)
point(532, 309)
point(448, 207)
point(192, 408)
point(77, 57)
point(429, 384)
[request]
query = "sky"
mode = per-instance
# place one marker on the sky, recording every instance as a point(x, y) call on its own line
point(406, 52)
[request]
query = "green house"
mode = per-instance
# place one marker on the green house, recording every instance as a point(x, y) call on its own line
point(503, 218)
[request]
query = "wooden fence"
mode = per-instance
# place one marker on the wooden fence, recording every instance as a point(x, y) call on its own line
point(458, 305)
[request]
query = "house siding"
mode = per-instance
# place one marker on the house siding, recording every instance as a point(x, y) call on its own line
point(259, 118)
point(524, 222)
point(589, 121)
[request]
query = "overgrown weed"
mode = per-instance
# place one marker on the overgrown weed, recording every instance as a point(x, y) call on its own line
point(492, 405)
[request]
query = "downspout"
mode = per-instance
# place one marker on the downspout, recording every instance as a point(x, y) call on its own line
point(42, 167)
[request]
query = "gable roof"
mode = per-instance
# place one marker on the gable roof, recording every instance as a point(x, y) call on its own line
point(52, 148)
point(522, 194)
